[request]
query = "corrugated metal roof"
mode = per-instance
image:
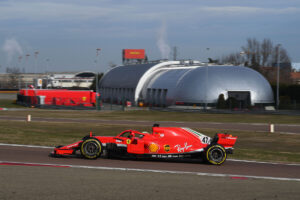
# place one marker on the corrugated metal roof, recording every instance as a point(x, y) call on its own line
point(124, 76)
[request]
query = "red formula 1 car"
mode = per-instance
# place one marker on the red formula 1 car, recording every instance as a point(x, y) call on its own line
point(163, 142)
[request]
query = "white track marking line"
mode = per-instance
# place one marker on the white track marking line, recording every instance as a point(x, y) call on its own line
point(158, 171)
point(261, 162)
point(233, 160)
point(29, 146)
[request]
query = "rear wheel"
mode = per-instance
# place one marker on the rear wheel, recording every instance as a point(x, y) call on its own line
point(91, 148)
point(216, 155)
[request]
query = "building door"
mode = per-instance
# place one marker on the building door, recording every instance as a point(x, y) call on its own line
point(239, 99)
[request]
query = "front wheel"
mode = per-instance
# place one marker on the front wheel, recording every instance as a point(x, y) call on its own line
point(216, 155)
point(91, 148)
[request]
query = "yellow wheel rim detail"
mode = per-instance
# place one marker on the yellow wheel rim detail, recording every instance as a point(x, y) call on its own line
point(83, 150)
point(212, 161)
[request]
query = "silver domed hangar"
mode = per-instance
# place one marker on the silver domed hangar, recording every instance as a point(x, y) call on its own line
point(184, 83)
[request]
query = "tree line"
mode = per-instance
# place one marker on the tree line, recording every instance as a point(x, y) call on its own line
point(262, 56)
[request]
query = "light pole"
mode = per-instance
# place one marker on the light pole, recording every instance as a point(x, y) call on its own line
point(242, 53)
point(206, 80)
point(35, 68)
point(19, 82)
point(97, 87)
point(46, 71)
point(278, 66)
point(47, 65)
point(27, 64)
point(35, 56)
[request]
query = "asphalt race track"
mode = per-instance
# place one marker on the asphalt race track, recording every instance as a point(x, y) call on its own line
point(41, 155)
point(21, 166)
point(29, 173)
point(25, 164)
point(279, 128)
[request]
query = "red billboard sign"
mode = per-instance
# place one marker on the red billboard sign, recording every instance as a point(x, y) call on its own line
point(133, 53)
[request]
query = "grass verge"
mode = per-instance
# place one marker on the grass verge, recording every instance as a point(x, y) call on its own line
point(8, 103)
point(158, 116)
point(250, 145)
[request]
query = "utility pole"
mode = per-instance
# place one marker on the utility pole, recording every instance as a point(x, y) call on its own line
point(278, 66)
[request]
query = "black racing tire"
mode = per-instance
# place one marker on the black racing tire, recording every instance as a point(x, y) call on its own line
point(216, 155)
point(91, 148)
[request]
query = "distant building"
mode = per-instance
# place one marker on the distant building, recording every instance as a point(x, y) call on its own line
point(295, 77)
point(187, 83)
point(18, 80)
point(296, 66)
point(81, 80)
point(78, 80)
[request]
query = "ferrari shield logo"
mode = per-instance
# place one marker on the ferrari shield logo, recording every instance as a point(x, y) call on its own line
point(128, 141)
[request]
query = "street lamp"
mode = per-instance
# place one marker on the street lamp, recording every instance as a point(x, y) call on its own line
point(97, 87)
point(35, 69)
point(19, 64)
point(206, 80)
point(242, 53)
point(46, 71)
point(277, 88)
point(27, 64)
point(47, 65)
point(35, 56)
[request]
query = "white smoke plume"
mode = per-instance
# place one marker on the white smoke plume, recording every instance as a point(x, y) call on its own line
point(11, 47)
point(163, 47)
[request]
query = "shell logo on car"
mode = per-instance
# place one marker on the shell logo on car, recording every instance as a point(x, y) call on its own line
point(153, 148)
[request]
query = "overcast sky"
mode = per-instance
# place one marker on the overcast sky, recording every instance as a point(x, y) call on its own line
point(67, 32)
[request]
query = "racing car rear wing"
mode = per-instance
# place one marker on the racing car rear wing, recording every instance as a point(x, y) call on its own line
point(224, 139)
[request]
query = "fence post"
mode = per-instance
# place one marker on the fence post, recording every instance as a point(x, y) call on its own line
point(28, 118)
point(272, 128)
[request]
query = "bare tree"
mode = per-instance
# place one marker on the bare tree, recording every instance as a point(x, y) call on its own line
point(234, 59)
point(252, 51)
point(284, 58)
point(258, 54)
point(266, 51)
